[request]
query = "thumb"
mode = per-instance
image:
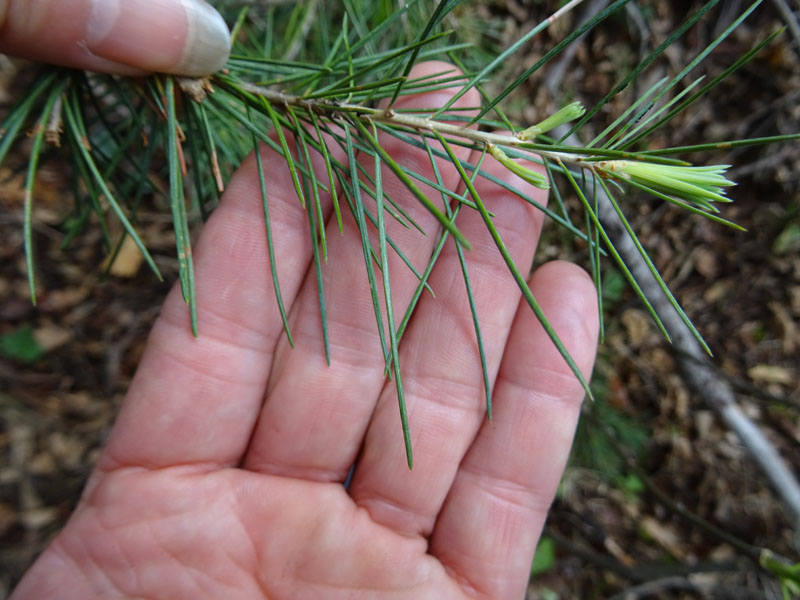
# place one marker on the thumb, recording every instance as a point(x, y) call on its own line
point(182, 37)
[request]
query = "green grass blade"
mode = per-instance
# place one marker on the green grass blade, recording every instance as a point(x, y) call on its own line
point(615, 254)
point(650, 58)
point(473, 307)
point(685, 205)
point(639, 122)
point(287, 155)
point(323, 311)
point(387, 295)
point(594, 259)
point(30, 180)
point(575, 34)
point(515, 272)
point(183, 240)
point(726, 145)
point(500, 59)
point(300, 139)
point(358, 213)
point(75, 125)
point(11, 125)
point(262, 185)
point(410, 185)
point(656, 275)
point(440, 12)
point(699, 58)
point(323, 147)
point(639, 102)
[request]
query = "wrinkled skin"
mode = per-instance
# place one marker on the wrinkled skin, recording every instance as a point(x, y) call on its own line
point(223, 476)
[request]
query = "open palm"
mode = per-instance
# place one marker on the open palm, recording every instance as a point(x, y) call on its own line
point(223, 477)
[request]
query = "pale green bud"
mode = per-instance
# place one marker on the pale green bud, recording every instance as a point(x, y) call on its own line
point(569, 113)
point(699, 185)
point(535, 178)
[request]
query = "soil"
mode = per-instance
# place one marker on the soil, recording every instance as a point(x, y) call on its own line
point(609, 533)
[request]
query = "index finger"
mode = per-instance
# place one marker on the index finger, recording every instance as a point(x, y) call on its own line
point(195, 400)
point(128, 37)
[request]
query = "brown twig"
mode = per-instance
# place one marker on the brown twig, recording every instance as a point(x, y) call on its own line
point(790, 19)
point(638, 572)
point(668, 586)
point(698, 372)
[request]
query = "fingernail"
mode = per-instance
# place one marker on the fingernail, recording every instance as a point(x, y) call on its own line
point(208, 42)
point(182, 37)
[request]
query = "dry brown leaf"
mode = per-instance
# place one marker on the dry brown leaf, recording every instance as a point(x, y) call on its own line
point(42, 464)
point(703, 422)
point(49, 336)
point(770, 374)
point(8, 518)
point(717, 291)
point(62, 299)
point(665, 536)
point(706, 263)
point(637, 324)
point(789, 331)
point(68, 450)
point(128, 259)
point(794, 295)
point(38, 518)
point(617, 552)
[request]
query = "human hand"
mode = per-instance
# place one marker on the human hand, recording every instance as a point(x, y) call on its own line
point(128, 37)
point(223, 476)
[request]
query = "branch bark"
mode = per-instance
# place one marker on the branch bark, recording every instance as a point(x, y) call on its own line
point(698, 371)
point(788, 16)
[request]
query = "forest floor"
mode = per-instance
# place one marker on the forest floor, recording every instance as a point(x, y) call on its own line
point(66, 363)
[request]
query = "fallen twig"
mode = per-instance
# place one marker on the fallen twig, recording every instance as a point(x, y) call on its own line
point(790, 19)
point(698, 371)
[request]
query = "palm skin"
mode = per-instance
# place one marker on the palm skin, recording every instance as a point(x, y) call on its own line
point(187, 532)
point(223, 477)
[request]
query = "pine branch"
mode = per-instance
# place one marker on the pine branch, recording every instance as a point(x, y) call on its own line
point(334, 101)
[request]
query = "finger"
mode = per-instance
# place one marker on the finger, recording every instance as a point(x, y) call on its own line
point(315, 416)
point(488, 529)
point(183, 37)
point(197, 399)
point(440, 361)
